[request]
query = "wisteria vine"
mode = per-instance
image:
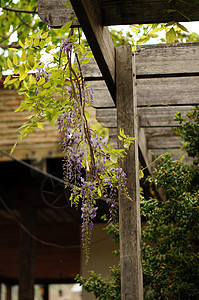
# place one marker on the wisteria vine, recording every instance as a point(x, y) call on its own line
point(59, 94)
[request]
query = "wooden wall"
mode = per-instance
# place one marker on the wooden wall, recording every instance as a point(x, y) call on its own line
point(167, 82)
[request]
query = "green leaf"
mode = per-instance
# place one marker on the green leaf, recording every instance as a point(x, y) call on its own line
point(83, 49)
point(13, 148)
point(113, 158)
point(171, 36)
point(141, 174)
point(36, 42)
point(7, 79)
point(89, 54)
point(21, 44)
point(23, 56)
point(41, 81)
point(85, 61)
point(15, 59)
point(44, 35)
point(22, 77)
point(28, 42)
point(31, 60)
point(66, 27)
point(68, 4)
point(9, 63)
point(182, 27)
point(32, 80)
point(48, 40)
point(171, 10)
point(39, 125)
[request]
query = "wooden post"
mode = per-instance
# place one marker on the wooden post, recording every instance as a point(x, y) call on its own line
point(27, 254)
point(8, 291)
point(46, 291)
point(129, 210)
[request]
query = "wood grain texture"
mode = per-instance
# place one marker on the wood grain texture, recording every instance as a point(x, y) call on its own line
point(55, 14)
point(162, 116)
point(164, 59)
point(129, 210)
point(122, 12)
point(99, 39)
point(171, 91)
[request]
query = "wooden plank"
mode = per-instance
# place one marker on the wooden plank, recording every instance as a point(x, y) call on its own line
point(170, 58)
point(122, 12)
point(102, 97)
point(98, 38)
point(129, 208)
point(27, 254)
point(142, 142)
point(8, 291)
point(55, 14)
point(46, 292)
point(171, 142)
point(172, 91)
point(162, 116)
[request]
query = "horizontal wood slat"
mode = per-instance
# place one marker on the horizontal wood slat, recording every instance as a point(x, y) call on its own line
point(122, 12)
point(148, 116)
point(164, 59)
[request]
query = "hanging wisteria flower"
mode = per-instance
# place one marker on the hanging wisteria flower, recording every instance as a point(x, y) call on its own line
point(66, 46)
point(58, 94)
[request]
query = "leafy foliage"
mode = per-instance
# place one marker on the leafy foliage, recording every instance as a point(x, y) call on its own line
point(170, 247)
point(189, 131)
point(104, 288)
point(170, 235)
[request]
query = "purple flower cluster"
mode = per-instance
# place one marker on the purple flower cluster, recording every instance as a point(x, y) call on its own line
point(85, 161)
point(66, 46)
point(89, 212)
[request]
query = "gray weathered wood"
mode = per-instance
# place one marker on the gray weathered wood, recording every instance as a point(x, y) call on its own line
point(164, 59)
point(179, 59)
point(27, 254)
point(162, 116)
point(55, 14)
point(99, 39)
point(157, 91)
point(129, 209)
point(142, 142)
point(172, 91)
point(163, 142)
point(122, 12)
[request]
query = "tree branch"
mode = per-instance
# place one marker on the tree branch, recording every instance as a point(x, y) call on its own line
point(10, 46)
point(22, 20)
point(20, 10)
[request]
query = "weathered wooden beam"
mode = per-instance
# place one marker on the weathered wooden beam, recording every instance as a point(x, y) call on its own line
point(46, 291)
point(123, 12)
point(27, 254)
point(129, 201)
point(8, 291)
point(55, 14)
point(99, 39)
point(142, 142)
point(164, 59)
point(160, 116)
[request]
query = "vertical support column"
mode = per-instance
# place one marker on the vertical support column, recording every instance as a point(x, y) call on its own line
point(129, 210)
point(46, 291)
point(8, 291)
point(27, 254)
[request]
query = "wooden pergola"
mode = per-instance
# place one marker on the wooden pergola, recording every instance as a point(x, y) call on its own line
point(123, 74)
point(118, 68)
